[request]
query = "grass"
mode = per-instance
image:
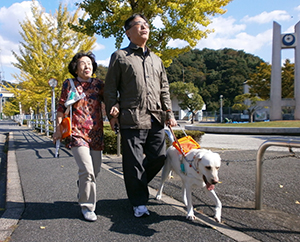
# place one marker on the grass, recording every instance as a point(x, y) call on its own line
point(270, 124)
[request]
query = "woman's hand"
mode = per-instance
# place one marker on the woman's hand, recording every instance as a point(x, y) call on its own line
point(57, 135)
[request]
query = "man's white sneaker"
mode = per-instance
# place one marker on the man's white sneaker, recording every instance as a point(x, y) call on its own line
point(88, 215)
point(140, 211)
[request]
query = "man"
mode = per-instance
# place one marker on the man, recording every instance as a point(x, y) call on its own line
point(137, 81)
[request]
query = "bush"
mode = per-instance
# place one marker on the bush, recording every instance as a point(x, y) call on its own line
point(110, 141)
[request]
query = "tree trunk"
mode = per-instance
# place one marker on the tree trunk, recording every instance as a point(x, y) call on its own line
point(251, 116)
point(192, 120)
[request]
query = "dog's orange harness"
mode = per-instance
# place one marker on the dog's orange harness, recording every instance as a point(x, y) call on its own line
point(185, 145)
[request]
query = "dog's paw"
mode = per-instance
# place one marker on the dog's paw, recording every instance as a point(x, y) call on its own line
point(217, 219)
point(158, 197)
point(218, 214)
point(191, 217)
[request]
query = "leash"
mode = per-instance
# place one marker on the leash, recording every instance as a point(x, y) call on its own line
point(181, 150)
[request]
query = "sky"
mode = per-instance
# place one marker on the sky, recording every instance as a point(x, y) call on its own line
point(247, 25)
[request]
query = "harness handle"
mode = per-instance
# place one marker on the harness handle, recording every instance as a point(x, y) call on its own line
point(176, 140)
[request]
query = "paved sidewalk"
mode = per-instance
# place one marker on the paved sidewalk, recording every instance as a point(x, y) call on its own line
point(52, 214)
point(2, 174)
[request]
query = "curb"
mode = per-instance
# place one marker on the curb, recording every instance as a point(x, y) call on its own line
point(14, 196)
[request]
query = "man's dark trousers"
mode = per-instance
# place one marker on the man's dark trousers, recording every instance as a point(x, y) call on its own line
point(144, 154)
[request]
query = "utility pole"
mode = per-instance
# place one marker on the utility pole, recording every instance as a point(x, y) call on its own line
point(221, 109)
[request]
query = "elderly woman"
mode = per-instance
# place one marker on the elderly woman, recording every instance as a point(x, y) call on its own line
point(86, 140)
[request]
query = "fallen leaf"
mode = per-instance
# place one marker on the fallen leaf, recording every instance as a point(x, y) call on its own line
point(199, 211)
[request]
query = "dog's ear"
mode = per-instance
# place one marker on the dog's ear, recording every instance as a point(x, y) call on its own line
point(198, 157)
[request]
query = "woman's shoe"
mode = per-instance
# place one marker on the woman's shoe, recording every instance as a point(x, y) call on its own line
point(88, 215)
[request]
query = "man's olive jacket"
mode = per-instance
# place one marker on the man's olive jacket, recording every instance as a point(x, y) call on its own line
point(138, 82)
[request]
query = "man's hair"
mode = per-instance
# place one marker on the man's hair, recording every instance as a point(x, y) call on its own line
point(127, 24)
point(73, 64)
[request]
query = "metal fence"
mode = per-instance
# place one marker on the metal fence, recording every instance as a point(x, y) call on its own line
point(41, 122)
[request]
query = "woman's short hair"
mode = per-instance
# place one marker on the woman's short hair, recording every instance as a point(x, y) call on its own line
point(127, 24)
point(73, 64)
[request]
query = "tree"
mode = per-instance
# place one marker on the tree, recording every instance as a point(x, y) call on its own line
point(247, 102)
point(288, 78)
point(11, 107)
point(260, 81)
point(188, 97)
point(215, 73)
point(101, 72)
point(182, 20)
point(47, 48)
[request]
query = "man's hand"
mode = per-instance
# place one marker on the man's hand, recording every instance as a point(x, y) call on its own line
point(172, 122)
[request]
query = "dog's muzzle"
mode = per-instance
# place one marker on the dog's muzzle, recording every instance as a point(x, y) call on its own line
point(210, 186)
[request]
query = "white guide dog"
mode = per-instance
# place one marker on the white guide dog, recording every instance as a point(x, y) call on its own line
point(201, 168)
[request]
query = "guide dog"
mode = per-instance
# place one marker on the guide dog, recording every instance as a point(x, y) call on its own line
point(200, 168)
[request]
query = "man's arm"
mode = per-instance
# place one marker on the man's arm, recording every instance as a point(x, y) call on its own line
point(111, 92)
point(166, 99)
point(111, 85)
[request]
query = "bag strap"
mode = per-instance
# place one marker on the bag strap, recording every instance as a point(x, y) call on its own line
point(69, 107)
point(71, 119)
point(72, 87)
point(72, 83)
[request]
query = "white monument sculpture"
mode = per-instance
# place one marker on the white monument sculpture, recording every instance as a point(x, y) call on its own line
point(284, 41)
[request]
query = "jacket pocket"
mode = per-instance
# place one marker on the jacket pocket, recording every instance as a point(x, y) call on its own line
point(128, 117)
point(160, 116)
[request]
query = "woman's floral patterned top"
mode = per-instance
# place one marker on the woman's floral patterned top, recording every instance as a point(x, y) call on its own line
point(87, 119)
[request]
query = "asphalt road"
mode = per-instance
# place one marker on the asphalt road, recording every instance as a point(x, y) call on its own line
point(52, 214)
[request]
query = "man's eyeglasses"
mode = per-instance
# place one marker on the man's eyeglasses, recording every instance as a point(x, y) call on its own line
point(145, 24)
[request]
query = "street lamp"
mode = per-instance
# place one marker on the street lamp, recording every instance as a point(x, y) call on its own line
point(21, 115)
point(52, 83)
point(221, 109)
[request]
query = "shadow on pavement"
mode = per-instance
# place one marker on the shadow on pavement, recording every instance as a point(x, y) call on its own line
point(121, 215)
